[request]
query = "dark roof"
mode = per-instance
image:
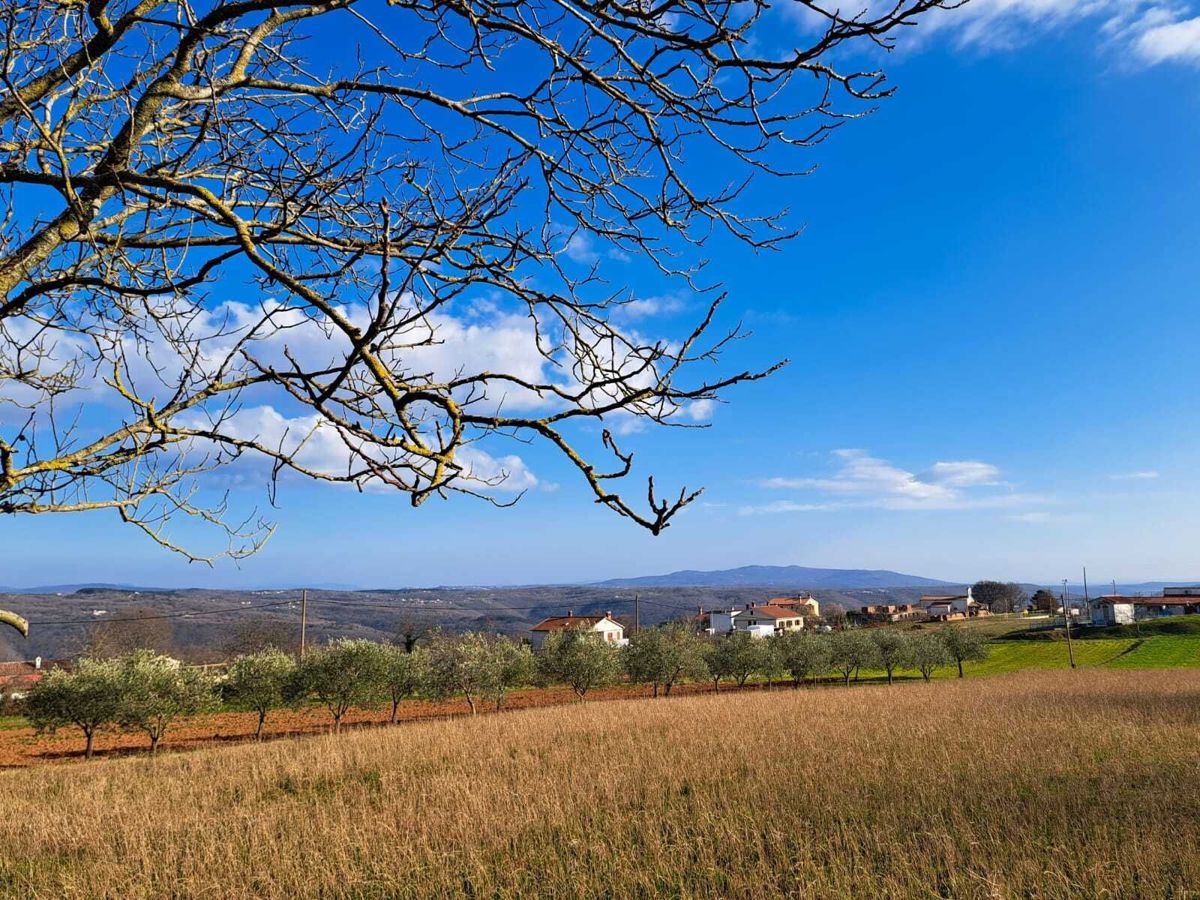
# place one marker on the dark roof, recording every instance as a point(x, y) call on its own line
point(1149, 601)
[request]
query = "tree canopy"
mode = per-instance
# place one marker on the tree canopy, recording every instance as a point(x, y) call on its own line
point(372, 243)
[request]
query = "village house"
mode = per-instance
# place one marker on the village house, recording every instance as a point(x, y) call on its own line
point(949, 608)
point(766, 620)
point(762, 619)
point(17, 677)
point(805, 604)
point(1115, 609)
point(878, 613)
point(606, 628)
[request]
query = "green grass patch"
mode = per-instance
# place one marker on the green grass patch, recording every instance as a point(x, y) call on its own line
point(1160, 652)
point(1177, 626)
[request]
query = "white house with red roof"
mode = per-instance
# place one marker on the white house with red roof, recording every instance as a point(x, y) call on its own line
point(605, 627)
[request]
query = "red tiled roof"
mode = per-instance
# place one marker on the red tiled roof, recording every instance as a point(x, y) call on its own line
point(774, 612)
point(13, 669)
point(560, 623)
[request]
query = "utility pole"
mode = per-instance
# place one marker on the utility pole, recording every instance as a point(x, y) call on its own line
point(637, 613)
point(303, 620)
point(1087, 601)
point(1067, 621)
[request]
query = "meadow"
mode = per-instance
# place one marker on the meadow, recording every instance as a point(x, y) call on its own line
point(1040, 784)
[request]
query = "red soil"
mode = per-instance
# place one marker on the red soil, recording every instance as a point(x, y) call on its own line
point(22, 747)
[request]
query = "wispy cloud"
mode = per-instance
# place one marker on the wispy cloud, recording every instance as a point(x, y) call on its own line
point(865, 480)
point(1145, 32)
point(782, 506)
point(1144, 475)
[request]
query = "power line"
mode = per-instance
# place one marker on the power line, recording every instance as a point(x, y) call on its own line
point(180, 615)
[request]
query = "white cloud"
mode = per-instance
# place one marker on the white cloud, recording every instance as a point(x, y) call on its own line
point(1178, 41)
point(1032, 518)
point(865, 480)
point(782, 506)
point(320, 448)
point(1147, 31)
point(658, 305)
point(1145, 475)
point(581, 248)
point(700, 410)
point(968, 473)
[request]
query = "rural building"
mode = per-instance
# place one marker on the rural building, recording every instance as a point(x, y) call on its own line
point(606, 628)
point(18, 677)
point(958, 606)
point(805, 604)
point(886, 612)
point(1115, 609)
point(764, 621)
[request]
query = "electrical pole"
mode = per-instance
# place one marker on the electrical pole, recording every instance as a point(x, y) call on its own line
point(1067, 621)
point(303, 620)
point(1087, 601)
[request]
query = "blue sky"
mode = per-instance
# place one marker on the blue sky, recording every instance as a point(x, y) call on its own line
point(991, 319)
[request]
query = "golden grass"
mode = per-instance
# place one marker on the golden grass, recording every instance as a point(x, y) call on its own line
point(1047, 784)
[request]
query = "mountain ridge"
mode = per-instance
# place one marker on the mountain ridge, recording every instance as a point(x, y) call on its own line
point(779, 576)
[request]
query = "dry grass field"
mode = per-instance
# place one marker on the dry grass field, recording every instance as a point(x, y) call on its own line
point(1037, 784)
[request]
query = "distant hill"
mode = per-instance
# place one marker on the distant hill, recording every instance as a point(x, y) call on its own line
point(780, 576)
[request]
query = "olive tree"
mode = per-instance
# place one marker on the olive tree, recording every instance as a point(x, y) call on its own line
point(87, 698)
point(405, 674)
point(156, 690)
point(805, 655)
point(579, 658)
point(664, 656)
point(403, 189)
point(963, 645)
point(259, 682)
point(853, 650)
point(927, 653)
point(476, 666)
point(737, 656)
point(343, 674)
point(891, 649)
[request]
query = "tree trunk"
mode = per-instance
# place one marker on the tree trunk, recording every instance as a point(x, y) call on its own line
point(154, 738)
point(471, 703)
point(395, 711)
point(889, 671)
point(89, 735)
point(960, 672)
point(656, 689)
point(669, 685)
point(716, 685)
point(337, 722)
point(262, 717)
